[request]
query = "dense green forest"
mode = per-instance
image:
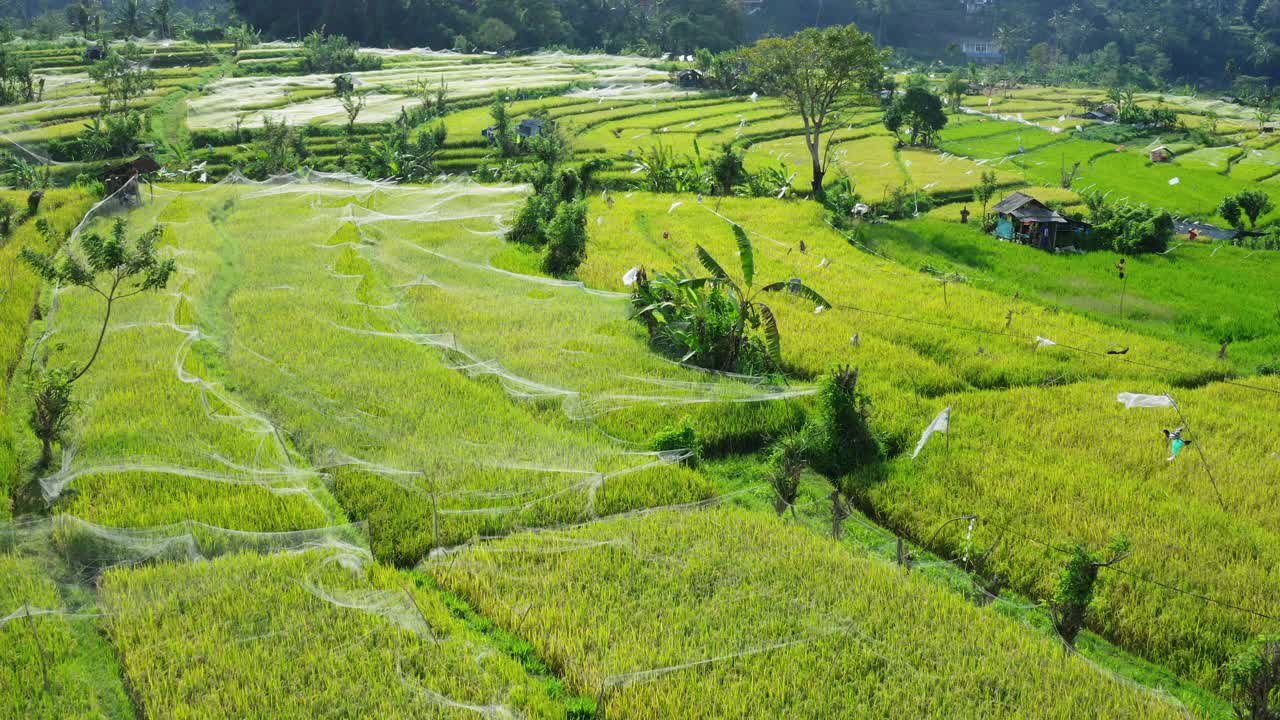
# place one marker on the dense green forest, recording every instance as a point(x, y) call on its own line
point(1149, 43)
point(1205, 41)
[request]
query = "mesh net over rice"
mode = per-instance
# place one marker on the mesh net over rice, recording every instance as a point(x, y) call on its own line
point(322, 326)
point(366, 331)
point(249, 100)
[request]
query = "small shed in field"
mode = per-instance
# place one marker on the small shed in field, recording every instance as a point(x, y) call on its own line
point(1105, 112)
point(530, 127)
point(119, 177)
point(689, 79)
point(1161, 154)
point(1023, 219)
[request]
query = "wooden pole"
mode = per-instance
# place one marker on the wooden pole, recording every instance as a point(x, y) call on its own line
point(435, 514)
point(1199, 451)
point(44, 668)
point(426, 624)
point(1124, 288)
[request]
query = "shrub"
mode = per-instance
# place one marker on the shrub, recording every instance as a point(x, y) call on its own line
point(682, 437)
point(530, 222)
point(110, 135)
point(1129, 229)
point(532, 225)
point(715, 321)
point(334, 54)
point(839, 435)
point(1231, 212)
point(566, 239)
point(728, 168)
point(279, 149)
point(1254, 204)
point(788, 459)
point(1253, 680)
point(1076, 586)
point(920, 112)
point(903, 202)
point(52, 410)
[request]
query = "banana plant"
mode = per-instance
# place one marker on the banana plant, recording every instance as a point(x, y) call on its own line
point(710, 320)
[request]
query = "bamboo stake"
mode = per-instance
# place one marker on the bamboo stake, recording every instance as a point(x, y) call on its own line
point(44, 667)
point(435, 514)
point(1200, 451)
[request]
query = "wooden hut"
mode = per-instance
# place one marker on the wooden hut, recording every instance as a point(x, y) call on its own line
point(689, 79)
point(1161, 154)
point(119, 177)
point(1022, 219)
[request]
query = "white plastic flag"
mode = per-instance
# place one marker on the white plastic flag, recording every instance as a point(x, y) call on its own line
point(755, 97)
point(630, 278)
point(940, 424)
point(1138, 400)
point(1044, 342)
point(1174, 181)
point(674, 205)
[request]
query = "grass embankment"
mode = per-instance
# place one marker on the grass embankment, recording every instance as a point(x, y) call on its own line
point(19, 288)
point(1045, 447)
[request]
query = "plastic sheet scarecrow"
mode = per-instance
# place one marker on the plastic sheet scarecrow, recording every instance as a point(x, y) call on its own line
point(1176, 442)
point(1137, 400)
point(1175, 438)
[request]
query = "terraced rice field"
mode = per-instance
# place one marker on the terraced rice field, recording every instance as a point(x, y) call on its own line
point(361, 458)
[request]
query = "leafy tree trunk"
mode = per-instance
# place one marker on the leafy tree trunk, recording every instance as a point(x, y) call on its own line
point(813, 138)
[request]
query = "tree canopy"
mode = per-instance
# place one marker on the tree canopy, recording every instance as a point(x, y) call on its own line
point(816, 72)
point(1109, 37)
point(920, 113)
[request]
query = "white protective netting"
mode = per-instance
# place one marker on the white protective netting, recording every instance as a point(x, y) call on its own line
point(324, 325)
point(315, 596)
point(251, 100)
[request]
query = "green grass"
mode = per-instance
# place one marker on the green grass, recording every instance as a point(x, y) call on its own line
point(84, 677)
point(744, 480)
point(734, 614)
point(1166, 295)
point(914, 344)
point(1070, 464)
point(296, 636)
point(897, 356)
point(18, 289)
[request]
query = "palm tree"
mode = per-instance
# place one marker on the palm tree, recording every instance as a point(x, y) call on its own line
point(712, 329)
point(129, 19)
point(161, 16)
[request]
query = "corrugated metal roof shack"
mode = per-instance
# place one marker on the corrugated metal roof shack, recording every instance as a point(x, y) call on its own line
point(1022, 219)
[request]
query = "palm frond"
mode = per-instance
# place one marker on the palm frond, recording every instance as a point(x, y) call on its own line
point(798, 288)
point(697, 283)
point(772, 339)
point(746, 254)
point(710, 263)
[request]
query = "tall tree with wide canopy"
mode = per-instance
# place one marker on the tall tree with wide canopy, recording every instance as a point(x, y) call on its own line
point(816, 72)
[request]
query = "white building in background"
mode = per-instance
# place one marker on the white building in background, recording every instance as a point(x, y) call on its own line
point(981, 49)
